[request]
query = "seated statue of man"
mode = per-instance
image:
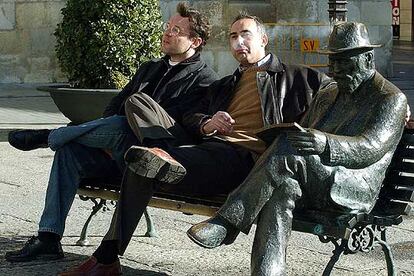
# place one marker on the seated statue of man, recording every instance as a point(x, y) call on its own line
point(339, 162)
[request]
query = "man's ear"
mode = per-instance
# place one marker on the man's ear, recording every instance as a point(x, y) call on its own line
point(196, 42)
point(265, 40)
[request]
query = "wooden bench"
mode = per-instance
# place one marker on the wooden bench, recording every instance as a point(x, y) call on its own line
point(349, 233)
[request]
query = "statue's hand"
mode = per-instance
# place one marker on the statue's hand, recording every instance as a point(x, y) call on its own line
point(310, 142)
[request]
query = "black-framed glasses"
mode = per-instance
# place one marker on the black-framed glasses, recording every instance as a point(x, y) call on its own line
point(173, 30)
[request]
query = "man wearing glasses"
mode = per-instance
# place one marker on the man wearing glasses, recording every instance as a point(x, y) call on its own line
point(149, 108)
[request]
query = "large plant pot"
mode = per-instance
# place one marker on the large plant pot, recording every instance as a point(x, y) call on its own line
point(80, 105)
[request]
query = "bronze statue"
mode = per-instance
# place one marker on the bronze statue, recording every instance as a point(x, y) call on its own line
point(339, 162)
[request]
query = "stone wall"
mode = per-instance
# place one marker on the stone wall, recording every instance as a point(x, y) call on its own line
point(27, 41)
point(376, 14)
point(27, 26)
point(406, 20)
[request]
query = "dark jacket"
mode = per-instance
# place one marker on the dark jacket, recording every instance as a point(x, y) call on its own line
point(285, 94)
point(176, 90)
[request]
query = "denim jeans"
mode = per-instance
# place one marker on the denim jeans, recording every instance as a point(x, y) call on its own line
point(112, 133)
point(79, 155)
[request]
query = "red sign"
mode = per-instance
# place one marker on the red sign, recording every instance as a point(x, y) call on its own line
point(309, 45)
point(395, 4)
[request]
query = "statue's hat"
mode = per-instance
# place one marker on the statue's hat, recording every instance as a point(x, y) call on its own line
point(347, 36)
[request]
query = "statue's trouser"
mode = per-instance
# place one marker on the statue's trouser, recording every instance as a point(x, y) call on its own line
point(271, 189)
point(268, 256)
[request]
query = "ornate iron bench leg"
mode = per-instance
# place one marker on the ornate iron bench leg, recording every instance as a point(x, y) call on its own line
point(339, 249)
point(83, 241)
point(388, 257)
point(151, 232)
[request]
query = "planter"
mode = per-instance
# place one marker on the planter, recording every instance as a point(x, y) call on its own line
point(80, 105)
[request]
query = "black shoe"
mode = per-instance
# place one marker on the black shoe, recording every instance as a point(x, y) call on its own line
point(213, 232)
point(35, 249)
point(29, 139)
point(154, 163)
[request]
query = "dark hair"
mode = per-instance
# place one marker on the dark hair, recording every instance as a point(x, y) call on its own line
point(199, 24)
point(244, 15)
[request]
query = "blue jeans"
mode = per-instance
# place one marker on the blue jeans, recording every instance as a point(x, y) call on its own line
point(79, 155)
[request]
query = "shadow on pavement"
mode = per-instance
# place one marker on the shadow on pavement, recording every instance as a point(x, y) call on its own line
point(42, 268)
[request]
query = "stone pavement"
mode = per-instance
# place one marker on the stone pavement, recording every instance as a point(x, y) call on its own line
point(23, 180)
point(172, 253)
point(22, 106)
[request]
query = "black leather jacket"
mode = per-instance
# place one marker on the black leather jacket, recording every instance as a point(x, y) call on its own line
point(285, 94)
point(176, 90)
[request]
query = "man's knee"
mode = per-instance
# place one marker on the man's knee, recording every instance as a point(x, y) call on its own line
point(137, 100)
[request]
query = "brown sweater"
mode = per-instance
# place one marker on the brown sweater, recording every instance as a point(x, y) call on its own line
point(245, 109)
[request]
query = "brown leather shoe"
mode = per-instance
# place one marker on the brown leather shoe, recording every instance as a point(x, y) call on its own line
point(91, 267)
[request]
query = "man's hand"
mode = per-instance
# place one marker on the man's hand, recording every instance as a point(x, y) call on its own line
point(221, 122)
point(310, 142)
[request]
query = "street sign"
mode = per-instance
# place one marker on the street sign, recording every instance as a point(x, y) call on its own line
point(308, 45)
point(395, 18)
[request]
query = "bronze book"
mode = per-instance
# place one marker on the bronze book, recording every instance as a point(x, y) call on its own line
point(269, 133)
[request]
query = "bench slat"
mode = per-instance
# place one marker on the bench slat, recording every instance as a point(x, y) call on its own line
point(98, 193)
point(407, 138)
point(319, 229)
point(400, 193)
point(407, 167)
point(387, 208)
point(187, 208)
point(399, 180)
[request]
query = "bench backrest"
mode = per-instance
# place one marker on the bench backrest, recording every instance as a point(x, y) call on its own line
point(398, 187)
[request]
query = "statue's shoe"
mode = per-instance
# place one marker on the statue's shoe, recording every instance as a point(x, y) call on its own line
point(35, 249)
point(154, 163)
point(29, 139)
point(91, 267)
point(213, 232)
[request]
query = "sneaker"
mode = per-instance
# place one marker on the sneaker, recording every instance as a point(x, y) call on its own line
point(29, 139)
point(35, 249)
point(154, 163)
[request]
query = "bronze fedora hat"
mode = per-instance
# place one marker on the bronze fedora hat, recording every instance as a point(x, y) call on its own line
point(347, 36)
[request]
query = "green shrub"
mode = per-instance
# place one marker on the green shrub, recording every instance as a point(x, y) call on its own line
point(100, 43)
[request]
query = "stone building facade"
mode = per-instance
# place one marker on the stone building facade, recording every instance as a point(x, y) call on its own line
point(27, 41)
point(406, 20)
point(296, 27)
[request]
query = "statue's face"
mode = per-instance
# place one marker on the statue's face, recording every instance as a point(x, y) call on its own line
point(247, 43)
point(350, 71)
